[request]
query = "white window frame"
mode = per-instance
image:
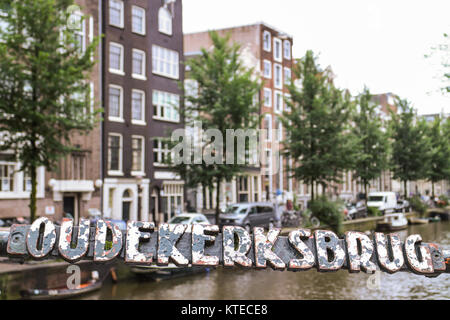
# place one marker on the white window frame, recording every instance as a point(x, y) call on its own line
point(19, 189)
point(275, 66)
point(275, 41)
point(279, 129)
point(287, 56)
point(82, 28)
point(113, 118)
point(287, 96)
point(269, 92)
point(287, 80)
point(121, 25)
point(144, 25)
point(163, 19)
point(159, 150)
point(268, 137)
point(168, 97)
point(269, 63)
point(276, 94)
point(142, 172)
point(140, 122)
point(118, 172)
point(267, 48)
point(156, 60)
point(112, 70)
point(141, 76)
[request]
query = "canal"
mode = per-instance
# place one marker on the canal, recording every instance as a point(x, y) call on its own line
point(268, 284)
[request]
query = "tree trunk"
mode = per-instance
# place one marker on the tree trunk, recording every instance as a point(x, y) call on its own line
point(432, 190)
point(406, 191)
point(365, 191)
point(217, 202)
point(312, 190)
point(32, 206)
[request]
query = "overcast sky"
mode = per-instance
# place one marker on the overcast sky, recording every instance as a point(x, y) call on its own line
point(379, 43)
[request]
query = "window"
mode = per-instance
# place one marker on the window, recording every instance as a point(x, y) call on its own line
point(137, 147)
point(79, 30)
point(267, 69)
point(114, 154)
point(165, 21)
point(116, 13)
point(138, 20)
point(287, 97)
point(6, 177)
point(287, 49)
point(160, 152)
point(78, 166)
point(115, 103)
point(138, 107)
point(116, 58)
point(266, 40)
point(16, 184)
point(287, 76)
point(277, 50)
point(165, 106)
point(139, 64)
point(279, 126)
point(268, 126)
point(277, 76)
point(172, 199)
point(165, 62)
point(267, 97)
point(278, 100)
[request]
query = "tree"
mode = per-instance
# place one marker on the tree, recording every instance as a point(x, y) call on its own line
point(442, 51)
point(410, 145)
point(317, 126)
point(439, 166)
point(224, 101)
point(372, 143)
point(43, 95)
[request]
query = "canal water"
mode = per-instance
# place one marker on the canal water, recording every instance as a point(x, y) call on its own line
point(268, 284)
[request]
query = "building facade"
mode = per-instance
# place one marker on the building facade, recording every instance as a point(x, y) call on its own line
point(268, 51)
point(74, 188)
point(119, 172)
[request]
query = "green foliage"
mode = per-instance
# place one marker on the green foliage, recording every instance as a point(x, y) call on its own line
point(439, 165)
point(417, 205)
point(373, 212)
point(224, 100)
point(371, 156)
point(44, 97)
point(443, 201)
point(410, 145)
point(328, 212)
point(317, 126)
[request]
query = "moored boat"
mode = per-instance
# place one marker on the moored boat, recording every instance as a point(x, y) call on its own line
point(91, 285)
point(415, 220)
point(393, 222)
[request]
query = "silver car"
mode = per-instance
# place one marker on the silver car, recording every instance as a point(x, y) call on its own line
point(249, 215)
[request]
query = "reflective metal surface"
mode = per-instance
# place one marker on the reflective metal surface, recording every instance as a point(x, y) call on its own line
point(268, 284)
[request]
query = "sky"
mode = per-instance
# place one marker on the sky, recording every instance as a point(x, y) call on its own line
point(381, 44)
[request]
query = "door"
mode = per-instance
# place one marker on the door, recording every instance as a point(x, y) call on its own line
point(69, 205)
point(126, 210)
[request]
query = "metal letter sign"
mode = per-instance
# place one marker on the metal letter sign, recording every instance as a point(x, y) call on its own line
point(203, 245)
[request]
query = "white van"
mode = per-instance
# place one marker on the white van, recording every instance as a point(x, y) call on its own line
point(383, 201)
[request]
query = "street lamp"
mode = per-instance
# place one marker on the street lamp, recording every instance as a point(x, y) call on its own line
point(139, 188)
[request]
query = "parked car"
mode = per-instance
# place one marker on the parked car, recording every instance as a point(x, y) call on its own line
point(189, 218)
point(402, 206)
point(249, 215)
point(356, 211)
point(385, 202)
